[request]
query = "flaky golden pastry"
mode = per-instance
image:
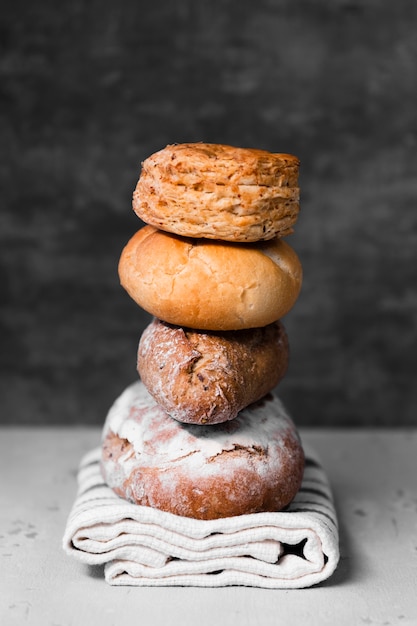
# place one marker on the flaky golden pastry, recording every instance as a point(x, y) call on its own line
point(219, 192)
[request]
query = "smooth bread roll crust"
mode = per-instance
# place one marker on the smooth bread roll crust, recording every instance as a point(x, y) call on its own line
point(210, 285)
point(251, 464)
point(219, 192)
point(207, 377)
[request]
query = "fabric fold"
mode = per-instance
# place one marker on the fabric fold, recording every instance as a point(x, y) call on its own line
point(141, 546)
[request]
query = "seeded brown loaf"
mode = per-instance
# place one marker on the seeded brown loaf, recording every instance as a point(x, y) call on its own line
point(250, 464)
point(207, 377)
point(207, 284)
point(219, 192)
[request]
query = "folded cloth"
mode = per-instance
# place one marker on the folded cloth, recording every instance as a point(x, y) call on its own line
point(142, 546)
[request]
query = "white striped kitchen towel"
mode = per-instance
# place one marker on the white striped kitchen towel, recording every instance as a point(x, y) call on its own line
point(141, 546)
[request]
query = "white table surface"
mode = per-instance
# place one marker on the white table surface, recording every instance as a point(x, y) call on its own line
point(374, 480)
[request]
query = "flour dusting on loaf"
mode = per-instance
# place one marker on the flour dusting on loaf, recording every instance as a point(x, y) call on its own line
point(252, 463)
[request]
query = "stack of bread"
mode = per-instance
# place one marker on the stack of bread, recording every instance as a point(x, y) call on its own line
point(201, 433)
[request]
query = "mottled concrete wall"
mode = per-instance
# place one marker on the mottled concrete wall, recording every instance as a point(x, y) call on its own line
point(89, 89)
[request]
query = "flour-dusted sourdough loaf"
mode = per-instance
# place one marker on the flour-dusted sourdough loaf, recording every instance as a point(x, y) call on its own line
point(203, 377)
point(219, 192)
point(250, 464)
point(207, 284)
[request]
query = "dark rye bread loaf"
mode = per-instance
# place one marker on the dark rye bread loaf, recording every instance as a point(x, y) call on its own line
point(208, 377)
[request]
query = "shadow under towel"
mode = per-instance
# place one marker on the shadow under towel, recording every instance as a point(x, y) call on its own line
point(141, 546)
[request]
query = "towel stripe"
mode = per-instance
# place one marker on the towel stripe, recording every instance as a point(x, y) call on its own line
point(314, 510)
point(317, 492)
point(309, 462)
point(92, 487)
point(89, 463)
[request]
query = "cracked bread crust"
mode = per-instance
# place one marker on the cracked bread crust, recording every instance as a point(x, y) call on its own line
point(219, 192)
point(207, 377)
point(207, 284)
point(251, 464)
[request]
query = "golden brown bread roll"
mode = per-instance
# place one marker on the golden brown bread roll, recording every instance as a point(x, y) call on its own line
point(219, 192)
point(251, 464)
point(207, 377)
point(207, 284)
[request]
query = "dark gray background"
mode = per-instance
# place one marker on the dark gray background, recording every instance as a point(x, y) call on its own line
point(90, 89)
